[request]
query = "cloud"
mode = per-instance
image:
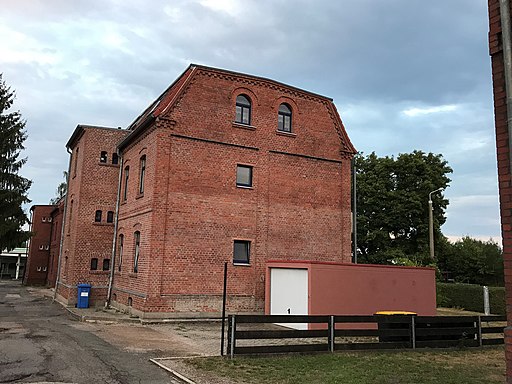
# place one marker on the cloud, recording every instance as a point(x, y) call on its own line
point(404, 74)
point(412, 112)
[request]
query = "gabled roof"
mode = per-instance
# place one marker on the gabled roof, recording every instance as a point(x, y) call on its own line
point(172, 93)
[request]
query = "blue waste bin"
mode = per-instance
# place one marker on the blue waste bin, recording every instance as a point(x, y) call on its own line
point(84, 291)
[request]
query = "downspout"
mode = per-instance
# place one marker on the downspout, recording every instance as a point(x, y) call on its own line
point(114, 241)
point(507, 64)
point(354, 208)
point(62, 232)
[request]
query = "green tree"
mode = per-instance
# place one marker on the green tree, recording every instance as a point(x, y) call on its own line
point(473, 261)
point(13, 187)
point(62, 189)
point(392, 205)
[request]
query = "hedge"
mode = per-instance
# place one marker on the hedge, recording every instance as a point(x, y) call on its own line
point(470, 297)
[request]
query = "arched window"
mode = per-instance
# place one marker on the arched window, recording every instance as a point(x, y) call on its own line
point(97, 216)
point(103, 157)
point(142, 174)
point(284, 118)
point(106, 264)
point(136, 254)
point(120, 252)
point(243, 110)
point(126, 176)
point(115, 158)
point(94, 264)
point(110, 216)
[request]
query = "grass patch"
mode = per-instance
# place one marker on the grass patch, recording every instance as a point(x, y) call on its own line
point(474, 366)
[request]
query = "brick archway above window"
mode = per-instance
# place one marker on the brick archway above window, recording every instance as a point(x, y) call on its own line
point(286, 100)
point(244, 91)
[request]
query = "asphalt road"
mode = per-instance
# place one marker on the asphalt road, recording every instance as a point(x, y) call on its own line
point(40, 342)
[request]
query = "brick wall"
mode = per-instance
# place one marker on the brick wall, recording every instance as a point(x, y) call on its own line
point(504, 171)
point(192, 210)
point(55, 237)
point(92, 187)
point(36, 268)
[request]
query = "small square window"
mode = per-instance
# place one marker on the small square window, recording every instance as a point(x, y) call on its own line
point(243, 176)
point(241, 252)
point(103, 157)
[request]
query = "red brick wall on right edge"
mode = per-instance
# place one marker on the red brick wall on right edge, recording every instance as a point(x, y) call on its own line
point(504, 171)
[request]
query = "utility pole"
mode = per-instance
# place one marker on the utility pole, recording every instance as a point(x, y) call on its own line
point(431, 222)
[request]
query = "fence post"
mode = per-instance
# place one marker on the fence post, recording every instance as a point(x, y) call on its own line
point(479, 335)
point(232, 336)
point(331, 333)
point(487, 306)
point(413, 332)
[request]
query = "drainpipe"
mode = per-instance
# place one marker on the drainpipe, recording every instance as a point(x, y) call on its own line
point(114, 241)
point(507, 64)
point(354, 208)
point(62, 233)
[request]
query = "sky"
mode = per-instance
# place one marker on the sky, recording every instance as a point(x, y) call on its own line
point(404, 74)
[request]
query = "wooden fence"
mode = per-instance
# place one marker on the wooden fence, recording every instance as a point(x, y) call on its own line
point(255, 334)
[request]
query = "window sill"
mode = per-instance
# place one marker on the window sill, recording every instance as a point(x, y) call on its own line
point(241, 265)
point(108, 165)
point(123, 202)
point(243, 126)
point(103, 224)
point(288, 134)
point(139, 196)
point(99, 272)
point(245, 187)
point(133, 274)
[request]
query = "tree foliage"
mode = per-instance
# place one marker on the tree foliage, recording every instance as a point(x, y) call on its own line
point(392, 205)
point(13, 187)
point(62, 189)
point(472, 261)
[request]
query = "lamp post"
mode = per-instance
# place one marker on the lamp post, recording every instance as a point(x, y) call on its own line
point(431, 222)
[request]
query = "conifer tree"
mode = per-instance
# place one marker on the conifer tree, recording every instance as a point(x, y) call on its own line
point(13, 187)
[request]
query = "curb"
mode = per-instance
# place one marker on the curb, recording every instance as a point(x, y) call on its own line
point(178, 376)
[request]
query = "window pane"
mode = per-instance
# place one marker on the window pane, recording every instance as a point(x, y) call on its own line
point(280, 122)
point(241, 252)
point(244, 176)
point(242, 100)
point(238, 117)
point(287, 124)
point(246, 116)
point(284, 108)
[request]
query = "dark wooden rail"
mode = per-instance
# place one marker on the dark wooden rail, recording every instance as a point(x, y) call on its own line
point(333, 333)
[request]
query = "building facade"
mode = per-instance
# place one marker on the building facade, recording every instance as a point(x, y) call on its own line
point(227, 167)
point(501, 116)
point(223, 167)
point(89, 213)
point(36, 269)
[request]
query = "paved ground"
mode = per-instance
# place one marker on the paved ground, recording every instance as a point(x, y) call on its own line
point(41, 342)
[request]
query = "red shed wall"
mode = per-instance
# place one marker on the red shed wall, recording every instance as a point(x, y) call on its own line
point(350, 289)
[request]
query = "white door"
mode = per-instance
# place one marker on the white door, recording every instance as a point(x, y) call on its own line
point(289, 293)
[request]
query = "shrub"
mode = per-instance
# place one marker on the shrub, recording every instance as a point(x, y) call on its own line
point(470, 297)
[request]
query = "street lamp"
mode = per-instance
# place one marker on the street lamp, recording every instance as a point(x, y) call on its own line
point(431, 222)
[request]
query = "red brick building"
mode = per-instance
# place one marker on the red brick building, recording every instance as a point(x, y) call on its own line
point(222, 167)
point(57, 215)
point(89, 214)
point(38, 261)
point(227, 167)
point(501, 116)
